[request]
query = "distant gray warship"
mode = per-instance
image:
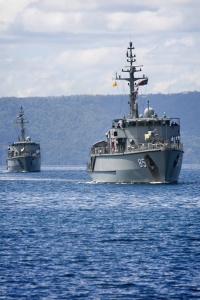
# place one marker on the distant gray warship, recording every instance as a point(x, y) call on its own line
point(23, 155)
point(139, 149)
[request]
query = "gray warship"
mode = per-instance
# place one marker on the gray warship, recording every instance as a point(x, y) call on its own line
point(139, 148)
point(23, 155)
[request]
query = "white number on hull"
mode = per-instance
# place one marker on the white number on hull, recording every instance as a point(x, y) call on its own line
point(142, 163)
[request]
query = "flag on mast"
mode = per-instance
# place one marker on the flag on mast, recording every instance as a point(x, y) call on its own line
point(142, 82)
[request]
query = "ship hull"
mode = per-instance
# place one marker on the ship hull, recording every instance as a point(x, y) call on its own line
point(24, 164)
point(162, 166)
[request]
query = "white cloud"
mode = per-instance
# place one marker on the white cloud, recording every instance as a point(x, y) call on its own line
point(75, 5)
point(50, 47)
point(188, 42)
point(35, 20)
point(10, 10)
point(86, 58)
point(143, 21)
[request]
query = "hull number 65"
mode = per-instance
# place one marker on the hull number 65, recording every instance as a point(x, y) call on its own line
point(142, 163)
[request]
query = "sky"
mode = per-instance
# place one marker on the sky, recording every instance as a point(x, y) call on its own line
point(62, 47)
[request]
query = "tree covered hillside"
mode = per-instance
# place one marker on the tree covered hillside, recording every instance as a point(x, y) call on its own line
point(67, 126)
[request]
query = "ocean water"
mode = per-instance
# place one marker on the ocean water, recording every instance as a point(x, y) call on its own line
point(64, 237)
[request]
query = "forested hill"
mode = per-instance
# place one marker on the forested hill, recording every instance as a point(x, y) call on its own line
point(67, 126)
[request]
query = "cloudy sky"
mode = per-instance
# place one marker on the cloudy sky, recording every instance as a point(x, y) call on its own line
point(63, 47)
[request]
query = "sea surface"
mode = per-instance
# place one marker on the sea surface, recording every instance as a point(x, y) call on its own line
point(65, 237)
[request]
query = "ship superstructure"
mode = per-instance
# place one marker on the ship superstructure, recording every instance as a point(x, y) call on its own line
point(139, 148)
point(23, 155)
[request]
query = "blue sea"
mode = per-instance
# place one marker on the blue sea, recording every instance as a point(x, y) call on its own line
point(65, 237)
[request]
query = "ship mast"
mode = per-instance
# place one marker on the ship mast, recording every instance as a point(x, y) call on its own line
point(131, 69)
point(21, 121)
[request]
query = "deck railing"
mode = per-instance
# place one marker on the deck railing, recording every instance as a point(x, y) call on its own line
point(139, 147)
point(16, 154)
